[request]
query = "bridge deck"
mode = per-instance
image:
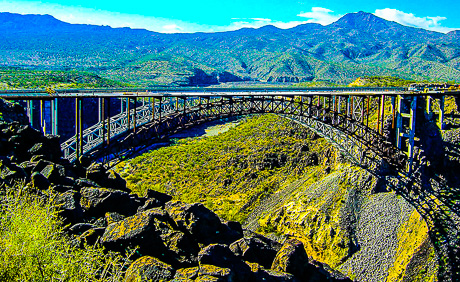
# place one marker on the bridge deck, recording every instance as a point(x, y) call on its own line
point(209, 92)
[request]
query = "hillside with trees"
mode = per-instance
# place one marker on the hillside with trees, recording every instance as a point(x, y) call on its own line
point(357, 45)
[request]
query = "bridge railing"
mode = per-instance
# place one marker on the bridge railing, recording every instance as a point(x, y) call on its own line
point(97, 134)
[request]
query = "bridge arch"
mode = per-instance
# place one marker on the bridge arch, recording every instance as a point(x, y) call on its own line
point(340, 119)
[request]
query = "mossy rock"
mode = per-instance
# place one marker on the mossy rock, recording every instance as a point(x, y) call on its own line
point(141, 230)
point(187, 273)
point(254, 250)
point(149, 268)
point(98, 201)
point(224, 274)
point(195, 219)
point(293, 259)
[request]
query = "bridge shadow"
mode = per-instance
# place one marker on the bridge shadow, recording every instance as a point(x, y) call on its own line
point(433, 188)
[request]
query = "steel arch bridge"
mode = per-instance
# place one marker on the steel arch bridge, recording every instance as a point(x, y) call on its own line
point(341, 119)
point(356, 120)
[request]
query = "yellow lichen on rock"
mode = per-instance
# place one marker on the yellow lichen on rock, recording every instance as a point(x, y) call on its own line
point(148, 268)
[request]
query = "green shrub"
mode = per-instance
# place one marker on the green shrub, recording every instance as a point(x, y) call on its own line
point(34, 248)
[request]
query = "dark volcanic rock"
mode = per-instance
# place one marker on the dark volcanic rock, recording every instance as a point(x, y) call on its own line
point(39, 181)
point(149, 268)
point(183, 246)
point(221, 256)
point(254, 250)
point(98, 201)
point(142, 229)
point(161, 197)
point(12, 112)
point(195, 219)
point(68, 205)
point(293, 259)
point(11, 172)
point(167, 234)
point(109, 179)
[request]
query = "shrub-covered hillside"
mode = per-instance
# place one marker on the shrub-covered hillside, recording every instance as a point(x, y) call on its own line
point(233, 172)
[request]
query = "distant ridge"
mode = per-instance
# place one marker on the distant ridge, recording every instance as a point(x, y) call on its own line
point(358, 44)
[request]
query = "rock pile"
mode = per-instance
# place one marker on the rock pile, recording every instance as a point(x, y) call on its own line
point(174, 241)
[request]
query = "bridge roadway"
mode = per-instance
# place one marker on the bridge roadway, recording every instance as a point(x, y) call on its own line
point(374, 127)
point(40, 94)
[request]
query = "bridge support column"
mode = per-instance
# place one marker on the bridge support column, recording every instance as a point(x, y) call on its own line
point(30, 111)
point(135, 115)
point(54, 116)
point(108, 121)
point(393, 109)
point(42, 117)
point(128, 113)
point(78, 128)
point(159, 110)
point(405, 125)
point(441, 113)
point(102, 117)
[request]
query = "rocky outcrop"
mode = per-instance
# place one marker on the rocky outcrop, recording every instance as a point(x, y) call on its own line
point(173, 240)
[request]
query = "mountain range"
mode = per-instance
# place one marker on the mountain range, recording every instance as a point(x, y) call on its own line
point(358, 44)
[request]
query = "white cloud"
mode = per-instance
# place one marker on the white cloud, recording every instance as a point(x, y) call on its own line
point(172, 28)
point(81, 15)
point(260, 22)
point(320, 15)
point(409, 19)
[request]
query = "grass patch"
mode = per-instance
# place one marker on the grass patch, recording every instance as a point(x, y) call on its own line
point(34, 248)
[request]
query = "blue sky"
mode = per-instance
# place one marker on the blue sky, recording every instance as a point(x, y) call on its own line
point(214, 15)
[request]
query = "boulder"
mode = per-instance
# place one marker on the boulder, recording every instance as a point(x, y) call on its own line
point(84, 182)
point(220, 255)
point(54, 173)
point(254, 249)
point(142, 230)
point(229, 232)
point(11, 173)
point(222, 274)
point(97, 201)
point(110, 179)
point(148, 268)
point(161, 197)
point(40, 165)
point(39, 181)
point(12, 112)
point(261, 274)
point(149, 204)
point(111, 217)
point(190, 273)
point(183, 246)
point(68, 205)
point(292, 258)
point(195, 219)
point(27, 166)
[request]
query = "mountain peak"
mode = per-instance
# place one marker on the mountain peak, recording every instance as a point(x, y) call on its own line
point(361, 21)
point(21, 22)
